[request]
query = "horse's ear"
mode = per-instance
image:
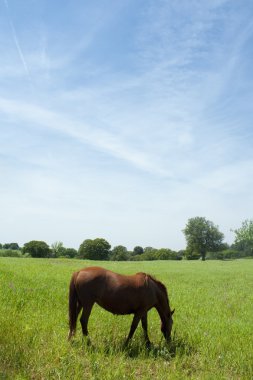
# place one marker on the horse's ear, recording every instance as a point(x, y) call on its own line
point(173, 311)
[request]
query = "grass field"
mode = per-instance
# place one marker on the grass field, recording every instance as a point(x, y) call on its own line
point(213, 324)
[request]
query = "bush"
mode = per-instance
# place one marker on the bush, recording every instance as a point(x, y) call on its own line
point(166, 254)
point(157, 254)
point(226, 254)
point(10, 253)
point(191, 255)
point(70, 252)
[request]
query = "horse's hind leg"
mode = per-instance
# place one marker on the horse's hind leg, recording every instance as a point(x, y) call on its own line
point(85, 318)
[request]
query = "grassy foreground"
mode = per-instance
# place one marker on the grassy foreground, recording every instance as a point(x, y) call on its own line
point(213, 324)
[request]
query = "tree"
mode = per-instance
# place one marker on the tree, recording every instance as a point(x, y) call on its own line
point(201, 236)
point(37, 248)
point(97, 249)
point(57, 249)
point(244, 237)
point(13, 246)
point(119, 253)
point(138, 250)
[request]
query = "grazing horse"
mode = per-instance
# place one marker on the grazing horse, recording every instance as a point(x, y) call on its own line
point(119, 294)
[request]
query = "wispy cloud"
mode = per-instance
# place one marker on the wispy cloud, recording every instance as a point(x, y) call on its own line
point(16, 41)
point(82, 132)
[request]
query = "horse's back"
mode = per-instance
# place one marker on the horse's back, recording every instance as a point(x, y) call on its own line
point(117, 293)
point(109, 279)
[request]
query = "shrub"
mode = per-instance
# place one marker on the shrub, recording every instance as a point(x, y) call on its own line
point(10, 253)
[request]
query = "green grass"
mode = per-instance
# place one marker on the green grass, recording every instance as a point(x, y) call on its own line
point(213, 324)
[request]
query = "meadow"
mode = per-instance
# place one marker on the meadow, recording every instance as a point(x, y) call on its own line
point(212, 332)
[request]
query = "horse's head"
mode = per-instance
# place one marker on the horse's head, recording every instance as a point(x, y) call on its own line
point(166, 326)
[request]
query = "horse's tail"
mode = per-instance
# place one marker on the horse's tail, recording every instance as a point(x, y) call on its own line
point(73, 306)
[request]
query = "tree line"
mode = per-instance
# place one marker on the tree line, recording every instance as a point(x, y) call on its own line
point(203, 240)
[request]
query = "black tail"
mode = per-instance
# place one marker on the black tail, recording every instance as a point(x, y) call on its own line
point(73, 305)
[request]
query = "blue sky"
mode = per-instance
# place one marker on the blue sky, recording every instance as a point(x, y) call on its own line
point(123, 119)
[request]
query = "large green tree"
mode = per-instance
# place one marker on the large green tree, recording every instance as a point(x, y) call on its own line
point(202, 236)
point(37, 248)
point(244, 237)
point(97, 249)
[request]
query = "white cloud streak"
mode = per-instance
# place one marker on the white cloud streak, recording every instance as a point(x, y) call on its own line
point(82, 132)
point(16, 41)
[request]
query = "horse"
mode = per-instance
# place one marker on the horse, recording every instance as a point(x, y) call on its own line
point(119, 294)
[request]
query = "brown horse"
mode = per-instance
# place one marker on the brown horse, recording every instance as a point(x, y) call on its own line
point(119, 294)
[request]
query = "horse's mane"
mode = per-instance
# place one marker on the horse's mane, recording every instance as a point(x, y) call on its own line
point(159, 283)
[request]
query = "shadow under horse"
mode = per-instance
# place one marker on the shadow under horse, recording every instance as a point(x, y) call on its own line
point(119, 294)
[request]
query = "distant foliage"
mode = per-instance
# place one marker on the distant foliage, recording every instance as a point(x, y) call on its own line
point(13, 246)
point(119, 253)
point(138, 250)
point(244, 237)
point(202, 236)
point(10, 253)
point(37, 248)
point(57, 249)
point(97, 249)
point(69, 253)
point(151, 254)
point(10, 250)
point(227, 254)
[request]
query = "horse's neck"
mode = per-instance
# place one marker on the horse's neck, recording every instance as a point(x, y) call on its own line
point(163, 302)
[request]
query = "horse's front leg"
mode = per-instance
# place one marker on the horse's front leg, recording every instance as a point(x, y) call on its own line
point(144, 322)
point(133, 327)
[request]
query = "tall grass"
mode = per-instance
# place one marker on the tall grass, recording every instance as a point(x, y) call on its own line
point(213, 324)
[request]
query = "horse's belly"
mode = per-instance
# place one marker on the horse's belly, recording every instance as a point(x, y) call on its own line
point(118, 306)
